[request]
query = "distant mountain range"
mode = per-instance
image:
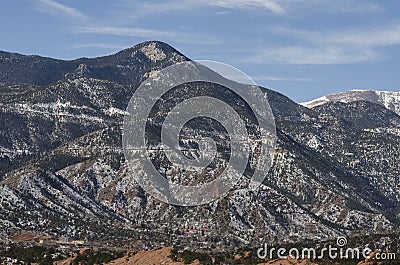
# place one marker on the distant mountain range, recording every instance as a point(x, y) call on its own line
point(388, 99)
point(336, 168)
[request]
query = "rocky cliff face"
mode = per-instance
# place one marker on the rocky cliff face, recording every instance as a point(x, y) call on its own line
point(335, 167)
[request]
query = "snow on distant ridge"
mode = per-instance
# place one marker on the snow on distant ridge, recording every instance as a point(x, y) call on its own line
point(388, 99)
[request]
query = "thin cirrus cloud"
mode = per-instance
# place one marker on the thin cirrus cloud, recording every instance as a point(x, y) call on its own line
point(99, 45)
point(176, 36)
point(281, 78)
point(332, 47)
point(278, 7)
point(312, 55)
point(267, 4)
point(329, 6)
point(143, 9)
point(303, 47)
point(123, 31)
point(367, 37)
point(55, 8)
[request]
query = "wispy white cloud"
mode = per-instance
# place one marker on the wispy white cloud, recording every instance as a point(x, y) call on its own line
point(312, 55)
point(329, 47)
point(266, 4)
point(55, 8)
point(281, 78)
point(329, 6)
point(99, 45)
point(302, 46)
point(366, 37)
point(143, 9)
point(123, 31)
point(269, 78)
point(176, 36)
point(223, 12)
point(136, 8)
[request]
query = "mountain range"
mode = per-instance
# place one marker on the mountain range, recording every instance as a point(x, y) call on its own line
point(63, 172)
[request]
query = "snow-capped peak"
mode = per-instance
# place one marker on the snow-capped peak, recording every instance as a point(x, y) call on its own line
point(388, 99)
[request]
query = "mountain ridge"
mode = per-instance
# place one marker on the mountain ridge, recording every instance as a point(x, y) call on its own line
point(120, 66)
point(388, 99)
point(62, 144)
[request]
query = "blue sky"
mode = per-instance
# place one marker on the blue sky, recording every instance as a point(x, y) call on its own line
point(301, 48)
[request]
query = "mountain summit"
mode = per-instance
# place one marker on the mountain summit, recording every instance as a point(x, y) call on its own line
point(122, 67)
